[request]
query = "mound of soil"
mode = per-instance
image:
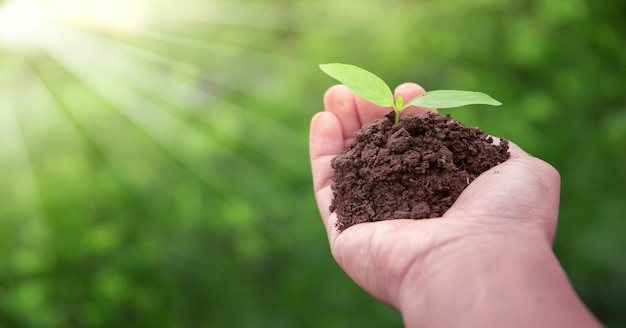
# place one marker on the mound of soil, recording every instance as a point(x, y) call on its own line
point(415, 169)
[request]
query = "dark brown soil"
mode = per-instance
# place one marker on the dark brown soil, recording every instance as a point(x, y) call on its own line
point(415, 169)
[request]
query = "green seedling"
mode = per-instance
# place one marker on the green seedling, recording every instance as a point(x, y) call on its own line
point(373, 89)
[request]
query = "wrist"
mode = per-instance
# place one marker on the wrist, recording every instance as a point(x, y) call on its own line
point(488, 280)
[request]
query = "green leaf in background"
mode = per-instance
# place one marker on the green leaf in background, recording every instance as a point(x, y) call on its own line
point(452, 98)
point(363, 83)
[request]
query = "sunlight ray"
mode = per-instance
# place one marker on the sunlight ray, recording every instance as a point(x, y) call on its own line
point(219, 125)
point(21, 189)
point(168, 62)
point(184, 67)
point(285, 16)
point(212, 118)
point(192, 43)
point(59, 38)
point(174, 95)
point(81, 128)
point(175, 137)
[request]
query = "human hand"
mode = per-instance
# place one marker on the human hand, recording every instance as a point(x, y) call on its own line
point(516, 200)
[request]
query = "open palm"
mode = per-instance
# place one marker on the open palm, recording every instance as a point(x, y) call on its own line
point(519, 196)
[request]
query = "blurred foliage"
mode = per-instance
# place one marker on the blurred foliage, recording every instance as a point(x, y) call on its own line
point(154, 154)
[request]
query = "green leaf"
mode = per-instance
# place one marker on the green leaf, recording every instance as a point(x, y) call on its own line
point(363, 83)
point(452, 98)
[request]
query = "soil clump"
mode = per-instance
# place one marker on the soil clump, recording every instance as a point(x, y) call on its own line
point(415, 169)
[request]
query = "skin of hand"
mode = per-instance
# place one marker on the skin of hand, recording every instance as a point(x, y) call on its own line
point(453, 270)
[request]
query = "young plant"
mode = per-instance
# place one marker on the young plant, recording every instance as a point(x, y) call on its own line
point(373, 89)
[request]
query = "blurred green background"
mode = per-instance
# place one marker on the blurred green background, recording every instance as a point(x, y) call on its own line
point(154, 164)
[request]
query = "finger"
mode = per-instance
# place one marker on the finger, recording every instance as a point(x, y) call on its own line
point(325, 141)
point(339, 100)
point(408, 91)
